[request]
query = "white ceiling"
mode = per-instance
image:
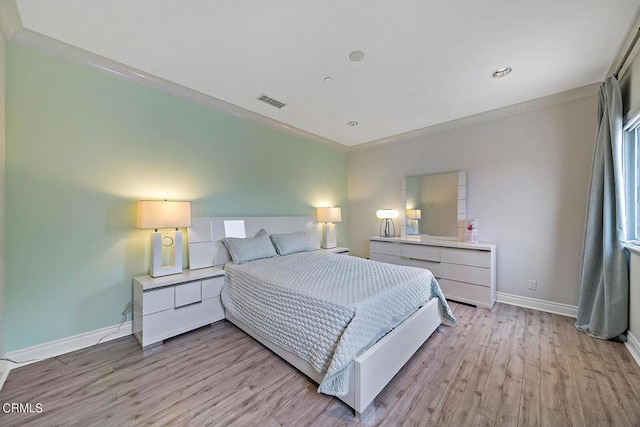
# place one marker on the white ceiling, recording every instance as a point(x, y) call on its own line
point(427, 62)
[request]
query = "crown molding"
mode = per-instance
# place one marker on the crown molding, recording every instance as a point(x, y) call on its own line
point(624, 45)
point(510, 110)
point(12, 27)
point(14, 32)
point(42, 43)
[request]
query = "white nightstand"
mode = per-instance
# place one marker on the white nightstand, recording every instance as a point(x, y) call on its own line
point(338, 250)
point(167, 306)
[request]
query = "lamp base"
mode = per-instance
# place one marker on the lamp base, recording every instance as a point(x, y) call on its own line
point(329, 236)
point(159, 270)
point(413, 223)
point(387, 229)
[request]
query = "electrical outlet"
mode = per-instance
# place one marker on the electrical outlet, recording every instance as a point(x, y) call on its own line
point(533, 285)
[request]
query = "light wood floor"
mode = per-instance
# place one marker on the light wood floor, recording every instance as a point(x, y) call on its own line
point(508, 367)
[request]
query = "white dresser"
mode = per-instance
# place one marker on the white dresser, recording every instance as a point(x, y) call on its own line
point(466, 272)
point(171, 305)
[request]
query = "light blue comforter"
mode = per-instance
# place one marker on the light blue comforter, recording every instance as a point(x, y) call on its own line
point(326, 308)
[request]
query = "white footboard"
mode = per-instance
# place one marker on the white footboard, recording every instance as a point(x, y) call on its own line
point(377, 366)
point(372, 370)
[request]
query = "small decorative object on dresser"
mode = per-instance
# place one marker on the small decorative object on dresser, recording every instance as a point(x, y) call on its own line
point(328, 216)
point(466, 272)
point(471, 233)
point(168, 306)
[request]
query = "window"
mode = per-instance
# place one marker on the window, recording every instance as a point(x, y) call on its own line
point(631, 172)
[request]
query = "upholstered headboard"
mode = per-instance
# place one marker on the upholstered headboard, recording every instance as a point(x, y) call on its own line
point(206, 234)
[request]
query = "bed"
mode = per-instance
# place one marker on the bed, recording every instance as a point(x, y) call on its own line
point(348, 323)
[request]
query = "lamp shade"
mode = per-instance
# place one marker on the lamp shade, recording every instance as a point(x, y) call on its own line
point(163, 214)
point(329, 214)
point(387, 213)
point(414, 213)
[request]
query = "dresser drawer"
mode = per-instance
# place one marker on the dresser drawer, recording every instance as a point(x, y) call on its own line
point(212, 287)
point(465, 273)
point(466, 292)
point(390, 259)
point(426, 253)
point(384, 248)
point(157, 300)
point(189, 293)
point(434, 267)
point(466, 257)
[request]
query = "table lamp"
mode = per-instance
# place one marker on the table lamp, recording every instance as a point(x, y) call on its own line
point(155, 214)
point(329, 216)
point(387, 229)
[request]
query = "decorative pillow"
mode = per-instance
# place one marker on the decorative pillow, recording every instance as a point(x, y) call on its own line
point(251, 248)
point(291, 243)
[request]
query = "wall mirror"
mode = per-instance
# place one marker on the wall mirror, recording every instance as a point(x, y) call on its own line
point(434, 206)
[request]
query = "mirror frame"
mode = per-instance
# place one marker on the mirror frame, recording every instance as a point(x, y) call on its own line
point(462, 208)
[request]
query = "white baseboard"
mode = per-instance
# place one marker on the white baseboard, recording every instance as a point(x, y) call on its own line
point(633, 345)
point(538, 304)
point(29, 355)
point(4, 372)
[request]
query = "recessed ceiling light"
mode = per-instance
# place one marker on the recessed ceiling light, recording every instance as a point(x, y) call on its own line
point(352, 123)
point(356, 55)
point(328, 79)
point(501, 72)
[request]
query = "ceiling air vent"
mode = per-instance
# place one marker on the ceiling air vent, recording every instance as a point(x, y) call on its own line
point(271, 101)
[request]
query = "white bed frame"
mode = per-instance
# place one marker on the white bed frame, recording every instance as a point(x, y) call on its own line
point(372, 370)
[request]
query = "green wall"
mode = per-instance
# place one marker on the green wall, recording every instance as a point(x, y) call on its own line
point(2, 185)
point(83, 146)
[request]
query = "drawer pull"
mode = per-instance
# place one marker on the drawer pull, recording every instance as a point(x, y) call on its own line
point(188, 305)
point(420, 259)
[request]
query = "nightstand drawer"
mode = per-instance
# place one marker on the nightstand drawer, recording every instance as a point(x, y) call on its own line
point(212, 287)
point(166, 324)
point(157, 300)
point(166, 306)
point(189, 293)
